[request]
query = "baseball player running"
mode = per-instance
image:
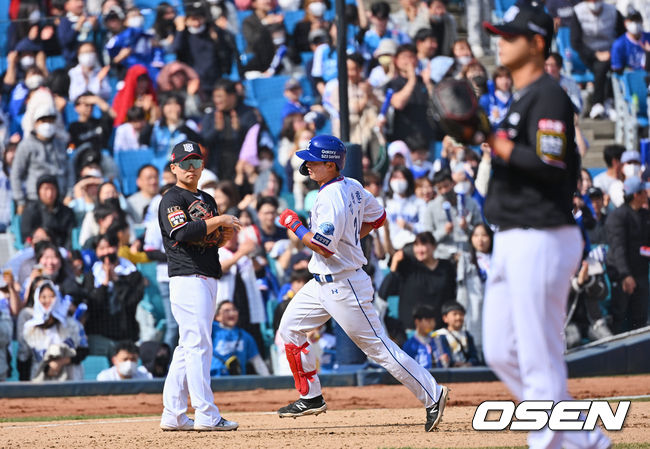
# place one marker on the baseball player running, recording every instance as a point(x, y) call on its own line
point(192, 232)
point(537, 246)
point(342, 215)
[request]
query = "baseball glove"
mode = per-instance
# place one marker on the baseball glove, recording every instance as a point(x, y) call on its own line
point(454, 106)
point(200, 210)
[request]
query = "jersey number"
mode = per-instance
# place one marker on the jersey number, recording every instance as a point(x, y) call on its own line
point(357, 231)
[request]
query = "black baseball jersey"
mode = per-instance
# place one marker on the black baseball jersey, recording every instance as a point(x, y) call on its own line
point(535, 188)
point(187, 251)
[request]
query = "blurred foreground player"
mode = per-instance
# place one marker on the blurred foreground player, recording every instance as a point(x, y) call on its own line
point(538, 245)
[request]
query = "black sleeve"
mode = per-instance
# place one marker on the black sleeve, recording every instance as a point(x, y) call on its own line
point(175, 221)
point(145, 135)
point(550, 126)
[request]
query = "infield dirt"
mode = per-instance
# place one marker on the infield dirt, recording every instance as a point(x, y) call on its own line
point(363, 417)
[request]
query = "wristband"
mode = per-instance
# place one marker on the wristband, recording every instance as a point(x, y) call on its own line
point(301, 231)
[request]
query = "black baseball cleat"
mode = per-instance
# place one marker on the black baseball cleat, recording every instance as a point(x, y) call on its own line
point(303, 407)
point(434, 413)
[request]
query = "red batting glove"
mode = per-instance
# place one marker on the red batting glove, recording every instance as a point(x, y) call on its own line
point(289, 219)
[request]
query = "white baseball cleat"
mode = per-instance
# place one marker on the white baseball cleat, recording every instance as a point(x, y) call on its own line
point(222, 425)
point(189, 425)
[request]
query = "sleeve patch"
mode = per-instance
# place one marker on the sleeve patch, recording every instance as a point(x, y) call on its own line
point(327, 228)
point(551, 147)
point(176, 218)
point(321, 239)
point(556, 126)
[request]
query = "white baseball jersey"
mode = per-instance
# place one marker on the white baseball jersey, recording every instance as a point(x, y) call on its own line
point(341, 207)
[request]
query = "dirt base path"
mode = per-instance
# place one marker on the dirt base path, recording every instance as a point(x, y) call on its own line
point(367, 417)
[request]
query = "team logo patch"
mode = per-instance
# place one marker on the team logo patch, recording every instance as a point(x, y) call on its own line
point(551, 148)
point(321, 239)
point(176, 218)
point(188, 147)
point(327, 228)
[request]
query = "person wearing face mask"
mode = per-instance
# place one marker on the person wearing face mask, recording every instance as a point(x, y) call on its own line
point(631, 167)
point(87, 75)
point(125, 364)
point(76, 26)
point(204, 46)
point(58, 342)
point(630, 51)
point(135, 46)
point(41, 152)
point(314, 20)
point(402, 207)
point(462, 54)
point(451, 216)
point(25, 55)
point(594, 28)
point(257, 30)
point(381, 74)
point(443, 26)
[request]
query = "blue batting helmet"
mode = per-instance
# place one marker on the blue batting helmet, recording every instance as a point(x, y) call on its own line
point(323, 149)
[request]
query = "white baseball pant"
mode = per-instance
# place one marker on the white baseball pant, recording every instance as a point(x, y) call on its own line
point(523, 319)
point(349, 302)
point(193, 303)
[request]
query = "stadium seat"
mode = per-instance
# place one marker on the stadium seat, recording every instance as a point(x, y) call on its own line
point(15, 230)
point(74, 237)
point(307, 89)
point(128, 163)
point(54, 62)
point(93, 365)
point(572, 63)
point(4, 27)
point(267, 93)
point(291, 19)
point(152, 301)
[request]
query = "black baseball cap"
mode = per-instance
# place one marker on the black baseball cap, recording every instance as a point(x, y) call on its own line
point(524, 18)
point(185, 150)
point(594, 192)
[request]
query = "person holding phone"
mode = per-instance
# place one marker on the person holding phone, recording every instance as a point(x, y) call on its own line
point(115, 287)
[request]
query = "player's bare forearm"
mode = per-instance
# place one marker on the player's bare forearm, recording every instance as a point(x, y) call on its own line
point(366, 228)
point(306, 239)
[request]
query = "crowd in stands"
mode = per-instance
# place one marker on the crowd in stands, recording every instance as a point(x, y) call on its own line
point(96, 93)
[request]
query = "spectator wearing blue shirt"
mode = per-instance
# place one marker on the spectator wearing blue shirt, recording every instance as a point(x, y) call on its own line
point(233, 347)
point(630, 50)
point(379, 14)
point(135, 46)
point(496, 101)
point(428, 351)
point(293, 92)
